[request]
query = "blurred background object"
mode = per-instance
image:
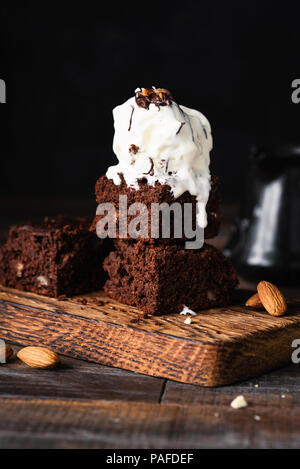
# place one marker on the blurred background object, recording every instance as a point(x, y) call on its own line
point(265, 242)
point(66, 68)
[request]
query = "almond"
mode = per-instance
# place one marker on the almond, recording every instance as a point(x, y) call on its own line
point(146, 91)
point(272, 298)
point(254, 302)
point(39, 357)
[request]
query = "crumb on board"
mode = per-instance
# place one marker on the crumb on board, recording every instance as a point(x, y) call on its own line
point(187, 310)
point(239, 402)
point(187, 320)
point(62, 298)
point(82, 301)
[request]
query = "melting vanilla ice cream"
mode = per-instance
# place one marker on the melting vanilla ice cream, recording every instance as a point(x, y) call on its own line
point(159, 140)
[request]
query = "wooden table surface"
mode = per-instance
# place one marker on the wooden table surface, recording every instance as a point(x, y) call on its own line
point(84, 405)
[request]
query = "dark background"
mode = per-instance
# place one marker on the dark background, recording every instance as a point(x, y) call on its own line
point(67, 66)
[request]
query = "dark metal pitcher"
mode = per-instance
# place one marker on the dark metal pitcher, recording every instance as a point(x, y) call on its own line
point(265, 242)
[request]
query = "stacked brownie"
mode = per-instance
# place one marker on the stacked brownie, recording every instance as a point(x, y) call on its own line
point(159, 275)
point(59, 256)
point(164, 154)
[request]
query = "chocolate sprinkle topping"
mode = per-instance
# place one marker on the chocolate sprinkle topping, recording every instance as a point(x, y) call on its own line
point(130, 121)
point(157, 96)
point(151, 170)
point(181, 125)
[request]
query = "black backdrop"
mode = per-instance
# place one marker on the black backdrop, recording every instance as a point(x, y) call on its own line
point(67, 66)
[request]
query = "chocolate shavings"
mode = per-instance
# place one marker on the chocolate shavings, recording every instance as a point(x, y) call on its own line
point(130, 121)
point(151, 170)
point(181, 125)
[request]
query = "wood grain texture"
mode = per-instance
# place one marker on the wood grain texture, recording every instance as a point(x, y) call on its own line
point(221, 345)
point(279, 388)
point(66, 424)
point(79, 406)
point(77, 380)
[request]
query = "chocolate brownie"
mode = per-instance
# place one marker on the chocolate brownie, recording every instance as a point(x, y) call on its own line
point(107, 191)
point(161, 279)
point(59, 256)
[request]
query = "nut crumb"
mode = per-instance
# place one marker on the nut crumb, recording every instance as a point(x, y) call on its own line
point(187, 320)
point(133, 149)
point(19, 269)
point(283, 396)
point(42, 281)
point(257, 418)
point(187, 310)
point(256, 385)
point(239, 402)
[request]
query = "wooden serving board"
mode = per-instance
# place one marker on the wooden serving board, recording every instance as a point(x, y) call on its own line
point(220, 346)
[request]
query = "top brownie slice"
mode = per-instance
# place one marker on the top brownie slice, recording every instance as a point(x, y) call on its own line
point(107, 191)
point(59, 256)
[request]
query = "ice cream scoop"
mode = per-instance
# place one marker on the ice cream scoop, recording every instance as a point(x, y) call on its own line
point(157, 139)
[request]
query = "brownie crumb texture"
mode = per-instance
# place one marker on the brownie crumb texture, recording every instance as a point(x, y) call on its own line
point(162, 279)
point(59, 257)
point(107, 191)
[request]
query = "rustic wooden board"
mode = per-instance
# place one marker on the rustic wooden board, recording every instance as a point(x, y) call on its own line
point(221, 346)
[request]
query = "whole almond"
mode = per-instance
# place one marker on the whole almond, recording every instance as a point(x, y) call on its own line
point(39, 357)
point(272, 298)
point(254, 302)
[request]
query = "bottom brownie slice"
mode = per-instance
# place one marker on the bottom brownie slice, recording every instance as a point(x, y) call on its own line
point(163, 279)
point(59, 256)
